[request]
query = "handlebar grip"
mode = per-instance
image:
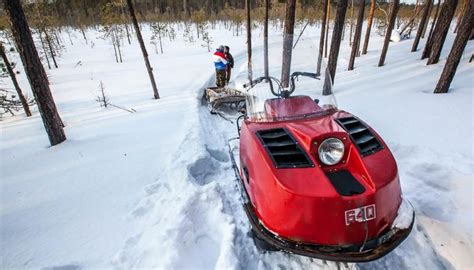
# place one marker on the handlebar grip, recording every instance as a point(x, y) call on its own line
point(307, 74)
point(258, 80)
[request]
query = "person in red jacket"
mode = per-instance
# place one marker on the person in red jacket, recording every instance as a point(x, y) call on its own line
point(220, 63)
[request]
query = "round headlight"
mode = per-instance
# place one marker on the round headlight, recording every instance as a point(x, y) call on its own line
point(331, 151)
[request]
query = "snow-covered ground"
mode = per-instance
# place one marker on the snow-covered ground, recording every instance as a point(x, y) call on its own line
point(155, 188)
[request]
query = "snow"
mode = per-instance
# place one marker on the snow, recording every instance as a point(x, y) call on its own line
point(404, 215)
point(156, 189)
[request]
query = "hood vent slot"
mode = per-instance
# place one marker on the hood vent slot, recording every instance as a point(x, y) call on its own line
point(361, 135)
point(283, 149)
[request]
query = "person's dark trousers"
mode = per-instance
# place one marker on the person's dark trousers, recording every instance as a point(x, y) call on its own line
point(228, 74)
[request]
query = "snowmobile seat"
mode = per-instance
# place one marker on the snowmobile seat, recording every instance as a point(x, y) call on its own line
point(290, 107)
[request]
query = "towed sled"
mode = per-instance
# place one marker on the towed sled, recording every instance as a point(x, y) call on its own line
point(223, 98)
point(315, 180)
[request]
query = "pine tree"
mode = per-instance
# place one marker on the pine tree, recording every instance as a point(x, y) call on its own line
point(393, 15)
point(22, 98)
point(369, 26)
point(323, 33)
point(265, 38)
point(423, 23)
point(464, 31)
point(35, 71)
point(249, 40)
point(357, 34)
point(288, 32)
point(143, 48)
point(429, 43)
point(441, 30)
point(335, 45)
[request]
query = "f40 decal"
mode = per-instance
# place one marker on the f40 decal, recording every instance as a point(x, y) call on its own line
point(360, 214)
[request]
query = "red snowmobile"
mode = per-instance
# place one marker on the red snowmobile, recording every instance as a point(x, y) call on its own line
point(316, 181)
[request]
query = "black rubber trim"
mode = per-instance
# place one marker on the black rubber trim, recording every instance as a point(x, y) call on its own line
point(345, 183)
point(247, 176)
point(372, 250)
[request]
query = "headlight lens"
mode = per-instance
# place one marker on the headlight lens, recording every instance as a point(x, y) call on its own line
point(331, 151)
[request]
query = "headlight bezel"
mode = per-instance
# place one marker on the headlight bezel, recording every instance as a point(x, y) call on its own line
point(322, 156)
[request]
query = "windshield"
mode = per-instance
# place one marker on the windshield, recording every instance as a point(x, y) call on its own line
point(294, 91)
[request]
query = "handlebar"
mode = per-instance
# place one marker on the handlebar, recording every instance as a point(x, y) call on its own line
point(296, 74)
point(281, 92)
point(254, 82)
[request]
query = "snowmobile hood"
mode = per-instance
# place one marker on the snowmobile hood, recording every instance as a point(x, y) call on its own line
point(309, 133)
point(297, 196)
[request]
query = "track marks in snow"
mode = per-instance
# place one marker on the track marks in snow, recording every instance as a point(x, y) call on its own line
point(207, 168)
point(203, 232)
point(436, 185)
point(64, 267)
point(203, 170)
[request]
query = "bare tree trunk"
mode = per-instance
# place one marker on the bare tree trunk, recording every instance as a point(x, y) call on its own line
point(59, 40)
point(117, 43)
point(24, 103)
point(51, 50)
point(412, 22)
point(83, 33)
point(161, 44)
point(142, 46)
point(339, 21)
point(428, 45)
point(393, 15)
point(461, 15)
point(249, 41)
point(35, 71)
point(357, 34)
point(265, 38)
point(441, 30)
point(369, 27)
point(44, 48)
point(464, 31)
point(428, 19)
point(422, 26)
point(128, 34)
point(185, 8)
point(288, 41)
point(115, 48)
point(352, 23)
point(321, 38)
point(125, 24)
point(326, 41)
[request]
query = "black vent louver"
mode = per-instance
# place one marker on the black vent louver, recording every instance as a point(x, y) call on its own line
point(283, 149)
point(360, 135)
